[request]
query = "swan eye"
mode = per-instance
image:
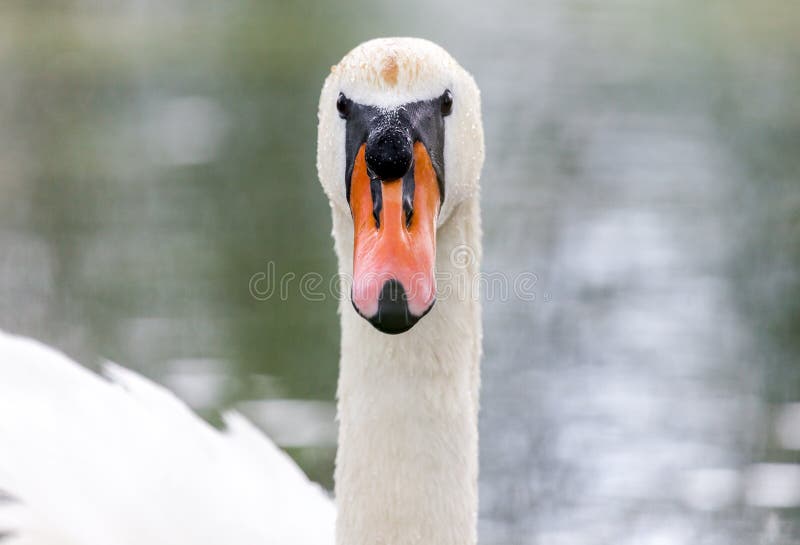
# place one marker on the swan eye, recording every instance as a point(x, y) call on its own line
point(343, 105)
point(447, 102)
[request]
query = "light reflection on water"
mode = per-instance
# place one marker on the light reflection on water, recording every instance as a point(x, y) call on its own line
point(638, 162)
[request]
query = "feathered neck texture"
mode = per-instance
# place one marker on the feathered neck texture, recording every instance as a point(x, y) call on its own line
point(406, 468)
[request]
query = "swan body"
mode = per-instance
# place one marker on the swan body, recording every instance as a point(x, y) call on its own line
point(119, 461)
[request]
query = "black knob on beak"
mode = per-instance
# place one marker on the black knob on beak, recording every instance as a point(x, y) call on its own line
point(389, 153)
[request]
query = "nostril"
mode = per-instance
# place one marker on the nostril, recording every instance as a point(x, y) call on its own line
point(389, 154)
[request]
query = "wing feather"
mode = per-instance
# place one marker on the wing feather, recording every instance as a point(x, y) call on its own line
point(122, 461)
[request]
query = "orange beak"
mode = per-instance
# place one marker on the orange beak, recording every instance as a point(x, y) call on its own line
point(395, 243)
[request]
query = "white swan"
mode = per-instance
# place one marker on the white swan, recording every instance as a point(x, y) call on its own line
point(123, 462)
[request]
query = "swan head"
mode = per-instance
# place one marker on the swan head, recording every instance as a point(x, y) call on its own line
point(400, 145)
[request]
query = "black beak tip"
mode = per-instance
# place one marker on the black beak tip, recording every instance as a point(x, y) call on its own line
point(392, 326)
point(393, 316)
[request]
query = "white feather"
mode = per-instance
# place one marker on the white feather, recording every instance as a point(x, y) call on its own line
point(123, 461)
point(406, 465)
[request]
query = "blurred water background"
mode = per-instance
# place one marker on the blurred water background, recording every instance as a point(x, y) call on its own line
point(642, 160)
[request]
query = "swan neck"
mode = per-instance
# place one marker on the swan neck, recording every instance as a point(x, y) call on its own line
point(406, 468)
